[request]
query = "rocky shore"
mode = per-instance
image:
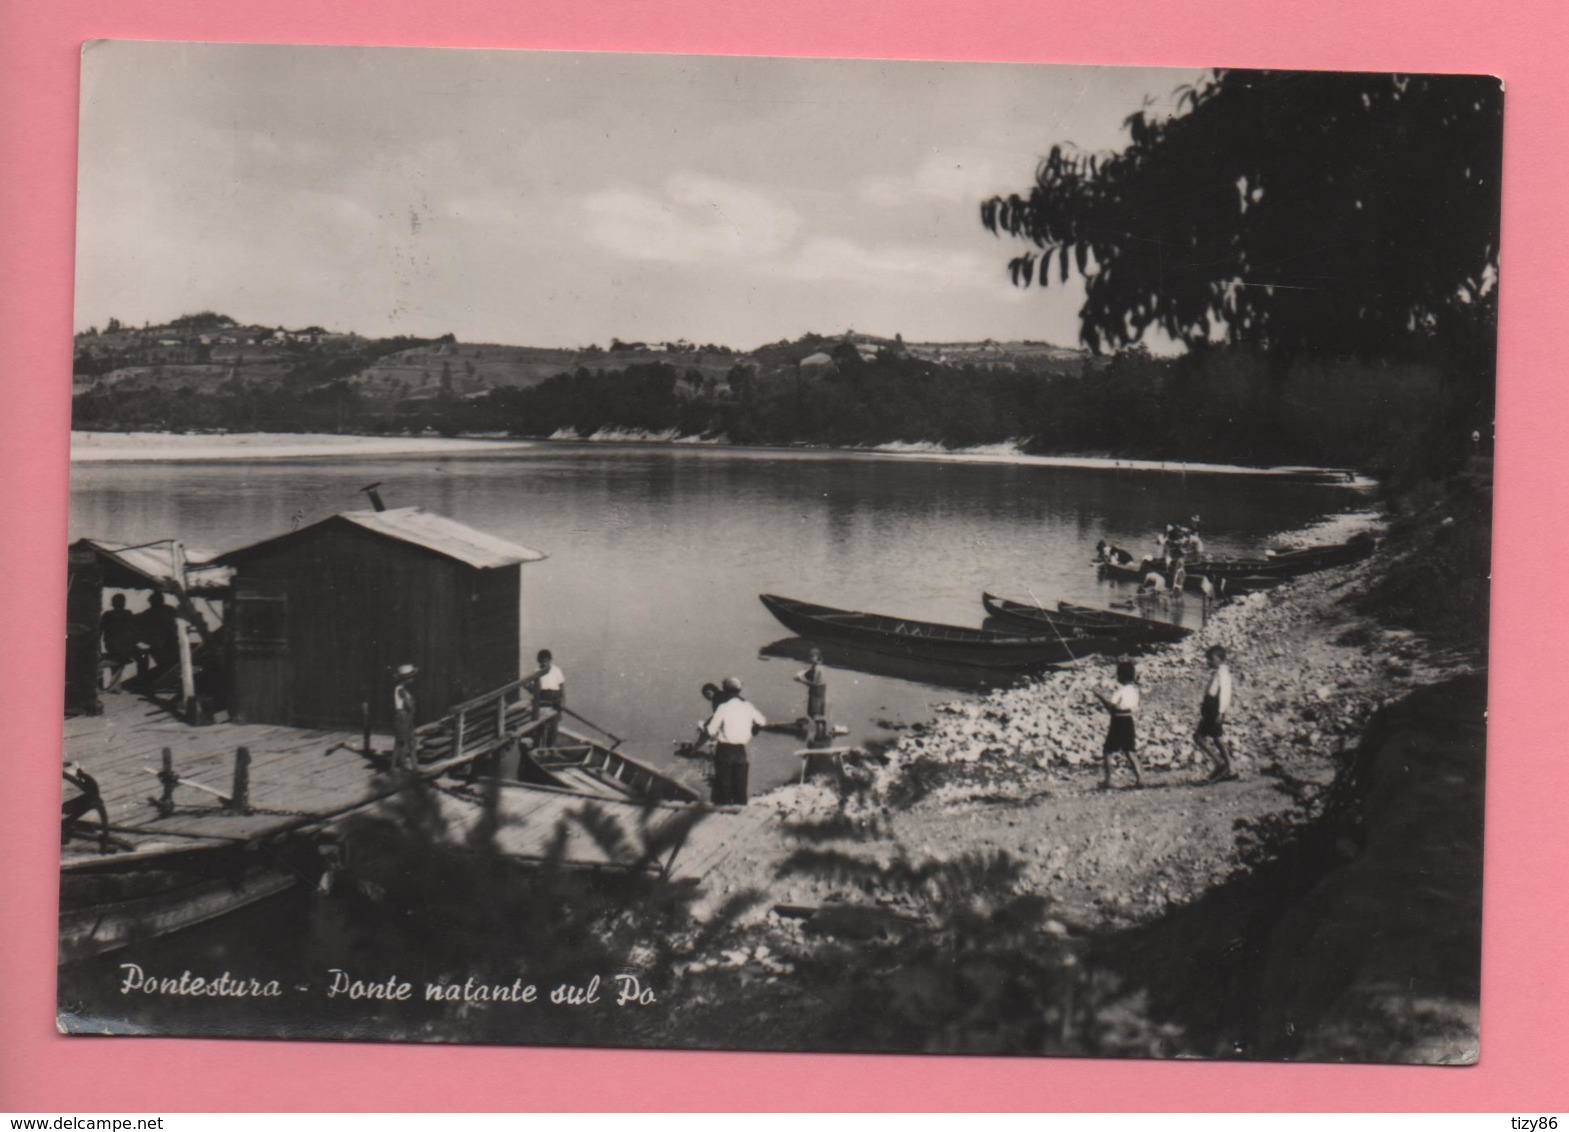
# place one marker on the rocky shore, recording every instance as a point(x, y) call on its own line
point(1015, 774)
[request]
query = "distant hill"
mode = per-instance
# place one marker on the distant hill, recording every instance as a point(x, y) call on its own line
point(211, 352)
point(466, 368)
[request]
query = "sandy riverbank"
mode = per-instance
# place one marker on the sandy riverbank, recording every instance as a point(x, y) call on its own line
point(1017, 773)
point(115, 447)
point(101, 447)
point(1012, 453)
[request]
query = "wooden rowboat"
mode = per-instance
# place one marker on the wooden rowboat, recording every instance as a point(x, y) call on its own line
point(1080, 621)
point(1132, 620)
point(926, 640)
point(110, 902)
point(584, 766)
point(1309, 558)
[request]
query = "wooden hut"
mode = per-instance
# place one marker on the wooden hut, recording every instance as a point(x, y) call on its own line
point(322, 617)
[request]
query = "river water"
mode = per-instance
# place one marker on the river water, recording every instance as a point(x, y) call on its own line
point(658, 554)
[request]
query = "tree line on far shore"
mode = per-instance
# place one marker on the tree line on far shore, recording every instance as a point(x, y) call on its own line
point(1220, 405)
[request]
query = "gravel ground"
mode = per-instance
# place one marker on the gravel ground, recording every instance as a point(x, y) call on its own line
point(1018, 770)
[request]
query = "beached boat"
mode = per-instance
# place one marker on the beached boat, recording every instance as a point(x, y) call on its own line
point(1309, 558)
point(950, 644)
point(1237, 575)
point(110, 902)
point(584, 766)
point(1133, 621)
point(1081, 621)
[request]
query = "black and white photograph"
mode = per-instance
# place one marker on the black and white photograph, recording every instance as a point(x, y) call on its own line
point(717, 552)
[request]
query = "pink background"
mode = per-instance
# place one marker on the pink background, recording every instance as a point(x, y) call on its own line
point(1524, 1051)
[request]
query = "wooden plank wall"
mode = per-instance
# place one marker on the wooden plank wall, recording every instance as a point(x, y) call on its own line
point(360, 605)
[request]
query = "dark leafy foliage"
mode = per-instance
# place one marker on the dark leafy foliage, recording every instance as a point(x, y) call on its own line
point(201, 320)
point(413, 896)
point(1303, 213)
point(957, 955)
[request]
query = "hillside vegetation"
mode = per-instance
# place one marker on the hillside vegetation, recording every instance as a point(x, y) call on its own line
point(208, 372)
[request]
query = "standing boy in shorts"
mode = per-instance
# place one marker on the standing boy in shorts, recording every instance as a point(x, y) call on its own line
point(1211, 735)
point(1120, 738)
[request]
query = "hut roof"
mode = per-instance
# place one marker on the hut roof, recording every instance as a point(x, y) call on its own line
point(418, 527)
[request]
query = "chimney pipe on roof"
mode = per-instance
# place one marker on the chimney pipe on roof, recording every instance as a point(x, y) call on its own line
point(375, 496)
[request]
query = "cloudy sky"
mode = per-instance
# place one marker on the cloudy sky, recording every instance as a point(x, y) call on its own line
point(562, 199)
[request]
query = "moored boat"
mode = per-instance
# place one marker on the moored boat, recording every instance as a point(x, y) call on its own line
point(1246, 574)
point(111, 902)
point(1132, 620)
point(583, 766)
point(1308, 558)
point(951, 644)
point(1080, 621)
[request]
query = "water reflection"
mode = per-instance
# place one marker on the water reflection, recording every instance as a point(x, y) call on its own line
point(931, 673)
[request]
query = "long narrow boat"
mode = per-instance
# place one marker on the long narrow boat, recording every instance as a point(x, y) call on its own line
point(1131, 620)
point(951, 644)
point(1254, 573)
point(1081, 622)
point(1306, 558)
point(584, 766)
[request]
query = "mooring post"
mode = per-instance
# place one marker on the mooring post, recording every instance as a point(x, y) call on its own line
point(169, 780)
point(239, 796)
point(365, 721)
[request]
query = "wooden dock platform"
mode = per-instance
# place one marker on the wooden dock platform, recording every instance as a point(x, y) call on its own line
point(295, 774)
point(291, 773)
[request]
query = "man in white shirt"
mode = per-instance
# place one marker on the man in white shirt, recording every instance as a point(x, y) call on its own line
point(550, 694)
point(731, 727)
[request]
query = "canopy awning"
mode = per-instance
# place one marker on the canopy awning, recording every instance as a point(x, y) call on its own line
point(150, 565)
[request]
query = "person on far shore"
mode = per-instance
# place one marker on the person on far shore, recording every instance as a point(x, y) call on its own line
point(731, 727)
point(1177, 571)
point(816, 696)
point(1107, 554)
point(1211, 735)
point(1123, 705)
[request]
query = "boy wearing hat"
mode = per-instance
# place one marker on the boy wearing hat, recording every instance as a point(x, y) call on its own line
point(403, 707)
